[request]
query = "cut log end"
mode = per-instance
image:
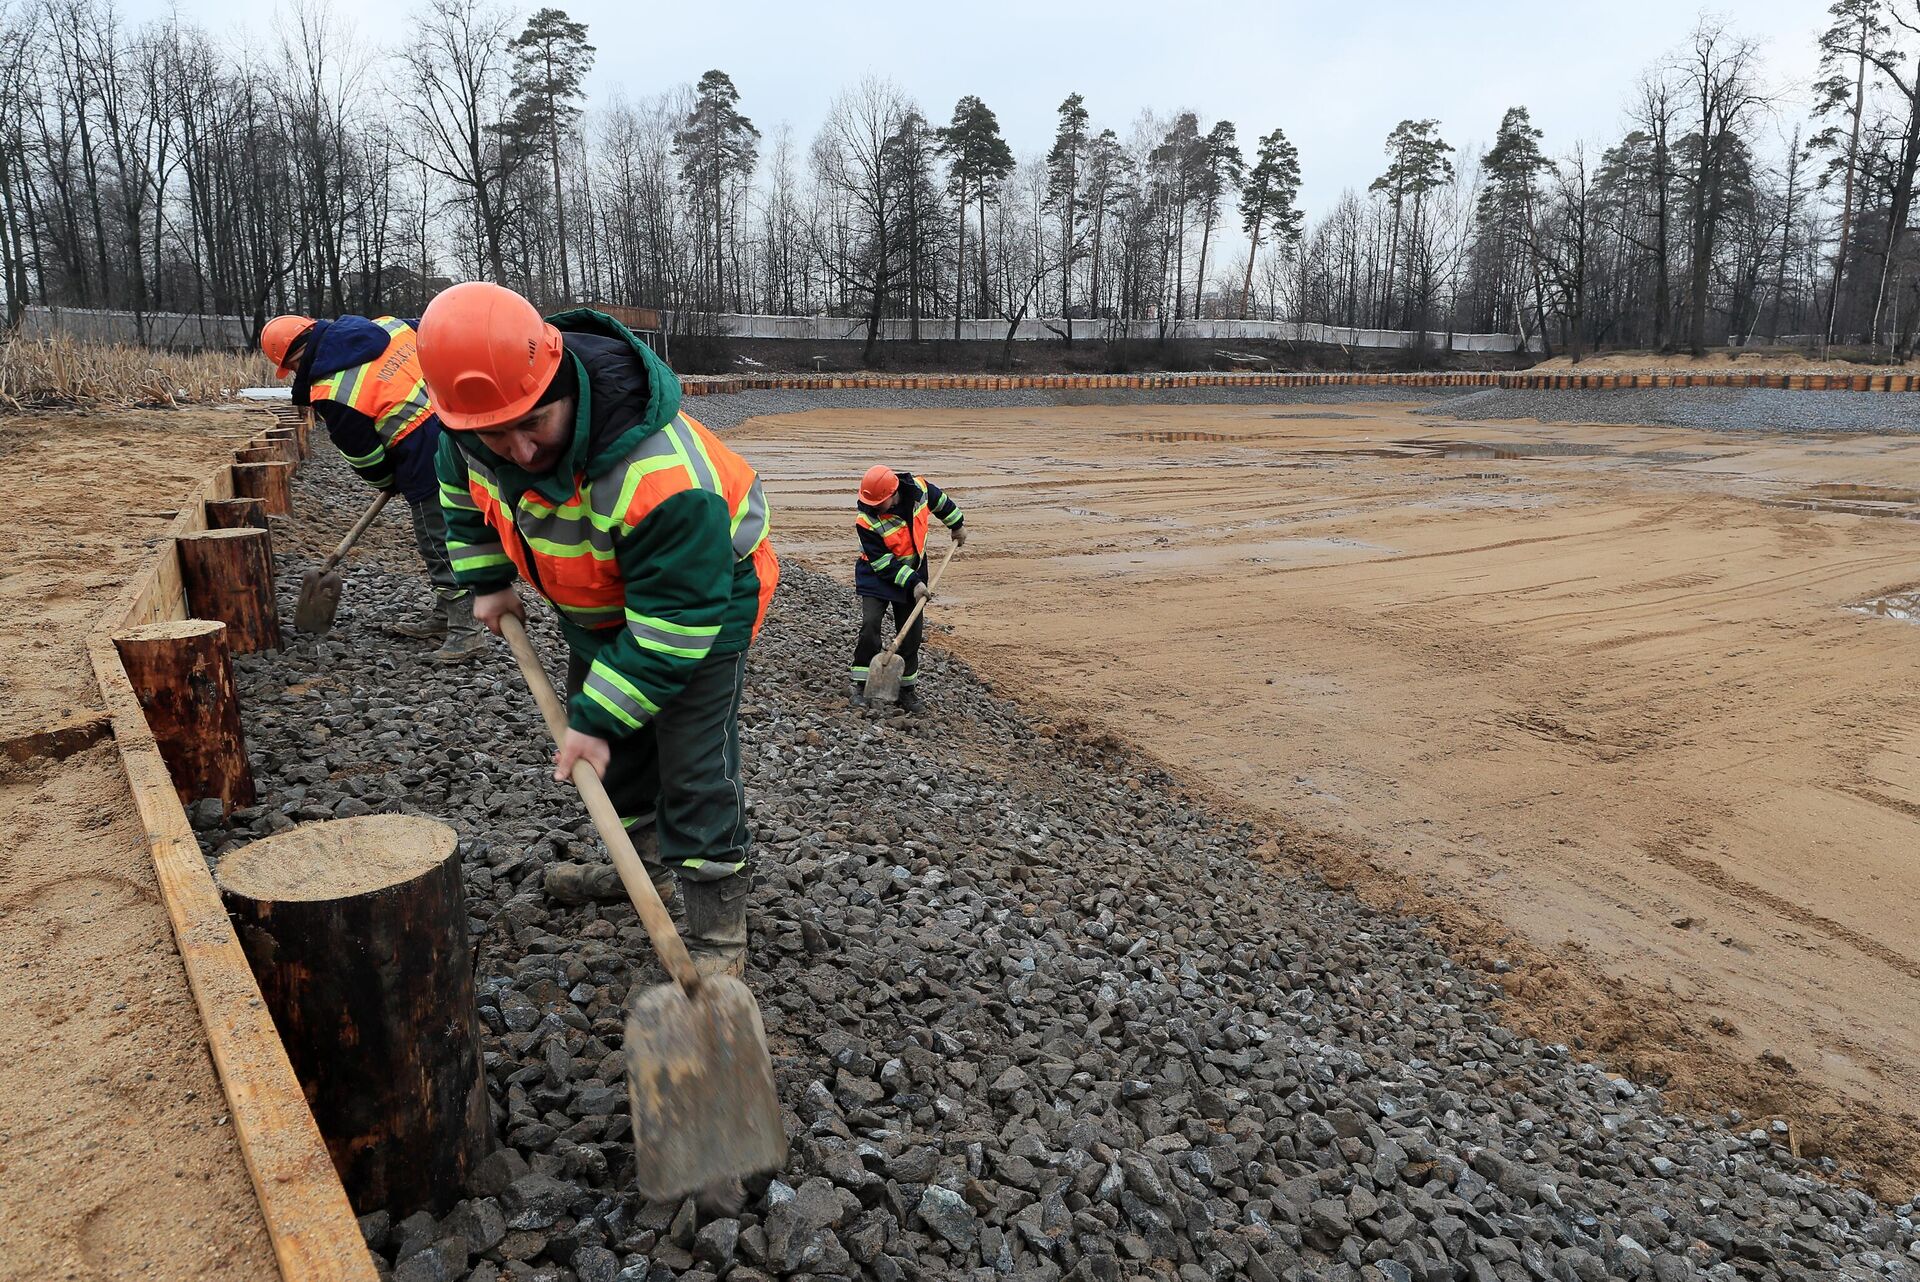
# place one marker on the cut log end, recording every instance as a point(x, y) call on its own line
point(337, 859)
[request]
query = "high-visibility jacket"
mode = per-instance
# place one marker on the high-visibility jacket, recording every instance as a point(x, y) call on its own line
point(649, 536)
point(893, 546)
point(372, 407)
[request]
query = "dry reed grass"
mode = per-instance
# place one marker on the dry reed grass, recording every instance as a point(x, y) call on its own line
point(41, 373)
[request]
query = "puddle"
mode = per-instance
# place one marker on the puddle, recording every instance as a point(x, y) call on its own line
point(1855, 500)
point(1424, 448)
point(1904, 606)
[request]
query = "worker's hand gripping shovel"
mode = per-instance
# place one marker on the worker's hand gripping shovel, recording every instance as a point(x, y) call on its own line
point(887, 668)
point(320, 590)
point(699, 1076)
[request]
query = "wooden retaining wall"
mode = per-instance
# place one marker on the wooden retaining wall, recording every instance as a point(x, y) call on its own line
point(698, 385)
point(315, 1235)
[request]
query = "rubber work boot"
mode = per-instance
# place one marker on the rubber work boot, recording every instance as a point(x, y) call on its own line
point(572, 884)
point(857, 693)
point(466, 639)
point(717, 924)
point(909, 698)
point(429, 625)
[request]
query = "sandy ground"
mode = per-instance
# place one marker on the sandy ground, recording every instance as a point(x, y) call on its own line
point(1602, 701)
point(115, 1152)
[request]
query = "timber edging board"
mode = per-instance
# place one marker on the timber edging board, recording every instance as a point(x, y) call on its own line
point(312, 1227)
point(719, 385)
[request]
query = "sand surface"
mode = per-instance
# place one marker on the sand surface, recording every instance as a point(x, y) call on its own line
point(115, 1149)
point(1611, 704)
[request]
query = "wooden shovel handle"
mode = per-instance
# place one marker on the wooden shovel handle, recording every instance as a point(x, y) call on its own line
point(633, 873)
point(359, 528)
point(938, 570)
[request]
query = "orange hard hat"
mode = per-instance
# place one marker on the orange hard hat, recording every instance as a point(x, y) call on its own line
point(486, 354)
point(878, 485)
point(281, 333)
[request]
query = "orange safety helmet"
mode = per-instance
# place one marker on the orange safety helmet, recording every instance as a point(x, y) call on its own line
point(282, 333)
point(878, 485)
point(486, 354)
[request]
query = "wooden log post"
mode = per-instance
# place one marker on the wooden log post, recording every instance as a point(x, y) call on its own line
point(356, 930)
point(236, 514)
point(260, 454)
point(272, 482)
point(184, 678)
point(287, 441)
point(228, 575)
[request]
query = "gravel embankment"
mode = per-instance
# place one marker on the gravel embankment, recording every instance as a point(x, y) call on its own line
point(1035, 1014)
point(1714, 409)
point(1709, 408)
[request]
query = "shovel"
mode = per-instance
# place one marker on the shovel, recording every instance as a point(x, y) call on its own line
point(699, 1075)
point(887, 668)
point(320, 589)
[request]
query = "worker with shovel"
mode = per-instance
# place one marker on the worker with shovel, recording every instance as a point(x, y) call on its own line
point(568, 463)
point(891, 519)
point(362, 379)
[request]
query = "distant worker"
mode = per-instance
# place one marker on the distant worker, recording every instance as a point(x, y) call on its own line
point(568, 463)
point(891, 518)
point(362, 378)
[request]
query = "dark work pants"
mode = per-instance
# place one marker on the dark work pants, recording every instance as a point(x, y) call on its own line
point(872, 611)
point(680, 774)
point(430, 540)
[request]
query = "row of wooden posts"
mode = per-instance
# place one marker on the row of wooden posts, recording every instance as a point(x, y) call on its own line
point(354, 955)
point(724, 384)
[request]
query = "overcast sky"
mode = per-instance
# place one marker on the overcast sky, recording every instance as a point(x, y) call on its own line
point(1336, 76)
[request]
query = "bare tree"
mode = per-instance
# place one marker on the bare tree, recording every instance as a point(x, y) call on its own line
point(460, 64)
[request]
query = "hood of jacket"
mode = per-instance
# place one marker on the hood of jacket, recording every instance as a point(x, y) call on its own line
point(335, 345)
point(625, 394)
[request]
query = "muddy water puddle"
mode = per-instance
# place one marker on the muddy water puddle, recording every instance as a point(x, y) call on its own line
point(1904, 606)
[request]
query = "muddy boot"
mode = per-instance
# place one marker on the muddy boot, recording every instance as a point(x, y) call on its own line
point(909, 698)
point(857, 694)
point(428, 625)
point(717, 924)
point(571, 884)
point(466, 639)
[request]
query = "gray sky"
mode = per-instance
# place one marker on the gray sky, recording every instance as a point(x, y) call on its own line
point(1336, 76)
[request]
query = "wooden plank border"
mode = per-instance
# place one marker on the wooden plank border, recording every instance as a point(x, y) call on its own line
point(314, 1233)
point(728, 384)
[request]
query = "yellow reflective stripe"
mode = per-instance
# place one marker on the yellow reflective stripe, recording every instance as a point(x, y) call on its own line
point(550, 548)
point(636, 472)
point(686, 435)
point(371, 457)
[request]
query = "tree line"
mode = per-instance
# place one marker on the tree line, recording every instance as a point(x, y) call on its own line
point(150, 169)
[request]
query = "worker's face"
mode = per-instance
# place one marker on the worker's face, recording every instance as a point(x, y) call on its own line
point(535, 441)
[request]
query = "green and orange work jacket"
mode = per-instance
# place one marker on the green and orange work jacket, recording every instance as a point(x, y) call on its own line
point(649, 536)
point(893, 547)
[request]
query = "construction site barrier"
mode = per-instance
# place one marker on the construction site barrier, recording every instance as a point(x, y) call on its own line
point(723, 384)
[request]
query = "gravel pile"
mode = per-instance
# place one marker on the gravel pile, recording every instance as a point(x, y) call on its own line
point(722, 412)
point(1714, 409)
point(1034, 1013)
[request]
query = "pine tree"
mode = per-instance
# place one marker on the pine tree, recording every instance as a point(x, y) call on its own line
point(716, 146)
point(1419, 165)
point(978, 158)
point(1063, 191)
point(1267, 204)
point(1504, 212)
point(1221, 169)
point(1858, 33)
point(552, 57)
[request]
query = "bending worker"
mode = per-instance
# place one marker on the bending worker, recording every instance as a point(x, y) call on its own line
point(891, 519)
point(362, 378)
point(567, 462)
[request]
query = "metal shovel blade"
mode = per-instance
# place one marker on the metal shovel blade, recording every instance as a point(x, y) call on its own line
point(700, 1083)
point(883, 678)
point(319, 602)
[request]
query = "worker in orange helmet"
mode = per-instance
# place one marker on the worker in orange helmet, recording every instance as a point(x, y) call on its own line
point(362, 379)
point(891, 520)
point(567, 462)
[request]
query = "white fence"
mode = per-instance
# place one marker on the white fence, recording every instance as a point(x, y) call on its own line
point(827, 328)
point(184, 330)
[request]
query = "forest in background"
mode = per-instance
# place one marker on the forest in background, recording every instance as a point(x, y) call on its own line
point(152, 169)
